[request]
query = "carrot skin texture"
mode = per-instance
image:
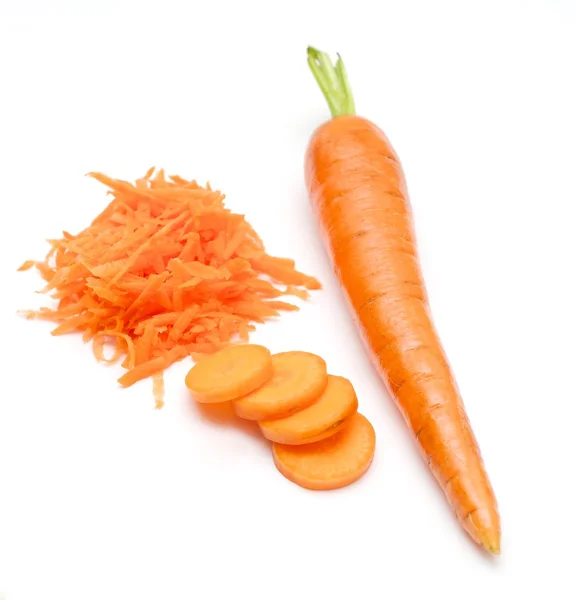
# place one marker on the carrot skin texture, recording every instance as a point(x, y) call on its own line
point(357, 189)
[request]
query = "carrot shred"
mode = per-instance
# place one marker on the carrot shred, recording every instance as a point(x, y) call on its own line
point(127, 348)
point(282, 271)
point(158, 389)
point(151, 367)
point(243, 332)
point(292, 290)
point(279, 305)
point(98, 348)
point(163, 272)
point(26, 265)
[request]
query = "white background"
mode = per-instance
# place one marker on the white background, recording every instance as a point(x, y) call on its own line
point(102, 497)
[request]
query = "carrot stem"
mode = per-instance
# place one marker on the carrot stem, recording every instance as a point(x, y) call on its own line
point(333, 81)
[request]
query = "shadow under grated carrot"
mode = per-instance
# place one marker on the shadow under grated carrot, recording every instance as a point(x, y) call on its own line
point(163, 272)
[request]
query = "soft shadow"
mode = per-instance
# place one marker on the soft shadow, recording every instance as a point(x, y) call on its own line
point(494, 560)
point(222, 414)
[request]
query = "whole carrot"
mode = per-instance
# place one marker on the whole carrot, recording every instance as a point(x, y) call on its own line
point(358, 191)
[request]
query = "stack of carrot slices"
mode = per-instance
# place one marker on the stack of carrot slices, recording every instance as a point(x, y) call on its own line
point(320, 441)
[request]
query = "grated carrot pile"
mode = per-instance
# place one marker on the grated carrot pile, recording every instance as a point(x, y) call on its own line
point(165, 271)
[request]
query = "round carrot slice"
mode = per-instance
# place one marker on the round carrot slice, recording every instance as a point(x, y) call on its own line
point(324, 418)
point(230, 373)
point(332, 463)
point(299, 379)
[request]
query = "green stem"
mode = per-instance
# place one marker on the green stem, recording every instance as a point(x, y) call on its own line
point(333, 82)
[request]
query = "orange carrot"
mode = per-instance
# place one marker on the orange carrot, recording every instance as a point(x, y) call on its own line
point(158, 389)
point(299, 379)
point(230, 373)
point(357, 188)
point(327, 416)
point(144, 370)
point(164, 270)
point(332, 463)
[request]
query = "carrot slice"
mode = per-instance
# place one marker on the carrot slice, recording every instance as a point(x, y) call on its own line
point(299, 379)
point(328, 415)
point(332, 463)
point(230, 373)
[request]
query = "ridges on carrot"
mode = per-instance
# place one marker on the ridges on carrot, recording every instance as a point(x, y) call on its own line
point(358, 190)
point(164, 271)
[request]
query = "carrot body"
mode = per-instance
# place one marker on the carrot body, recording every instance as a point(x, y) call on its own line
point(299, 379)
point(332, 463)
point(230, 373)
point(357, 188)
point(328, 415)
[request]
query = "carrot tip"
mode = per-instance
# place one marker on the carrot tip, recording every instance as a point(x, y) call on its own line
point(492, 546)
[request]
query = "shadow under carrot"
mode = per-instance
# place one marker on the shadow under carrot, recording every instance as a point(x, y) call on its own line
point(222, 414)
